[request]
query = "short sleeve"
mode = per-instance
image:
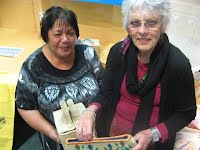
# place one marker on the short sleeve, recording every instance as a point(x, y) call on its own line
point(26, 90)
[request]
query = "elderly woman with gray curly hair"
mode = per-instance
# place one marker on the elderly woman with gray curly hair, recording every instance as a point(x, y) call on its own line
point(148, 85)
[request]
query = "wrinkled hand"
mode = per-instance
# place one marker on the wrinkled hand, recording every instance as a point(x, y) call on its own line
point(53, 134)
point(143, 138)
point(85, 127)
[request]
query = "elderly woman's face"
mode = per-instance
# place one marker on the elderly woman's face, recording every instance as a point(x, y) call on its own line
point(145, 30)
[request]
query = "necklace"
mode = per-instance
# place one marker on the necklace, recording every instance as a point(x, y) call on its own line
point(143, 78)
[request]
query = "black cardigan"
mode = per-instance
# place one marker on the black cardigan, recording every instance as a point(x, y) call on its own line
point(177, 106)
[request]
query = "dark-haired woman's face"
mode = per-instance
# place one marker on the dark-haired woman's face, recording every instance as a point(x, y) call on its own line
point(61, 40)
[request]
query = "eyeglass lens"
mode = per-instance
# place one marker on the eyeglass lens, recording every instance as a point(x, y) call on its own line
point(148, 23)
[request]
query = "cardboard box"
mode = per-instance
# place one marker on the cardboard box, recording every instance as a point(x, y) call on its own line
point(92, 42)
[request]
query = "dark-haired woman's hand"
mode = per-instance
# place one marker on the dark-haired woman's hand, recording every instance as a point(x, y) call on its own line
point(53, 134)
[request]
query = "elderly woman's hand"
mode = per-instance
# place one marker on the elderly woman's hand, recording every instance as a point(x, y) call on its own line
point(143, 138)
point(85, 127)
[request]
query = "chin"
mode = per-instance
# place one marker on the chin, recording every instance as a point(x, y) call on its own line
point(144, 48)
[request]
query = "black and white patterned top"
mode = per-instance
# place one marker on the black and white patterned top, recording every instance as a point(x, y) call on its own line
point(42, 86)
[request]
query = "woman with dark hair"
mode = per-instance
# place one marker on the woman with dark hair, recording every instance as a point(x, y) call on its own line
point(148, 86)
point(59, 70)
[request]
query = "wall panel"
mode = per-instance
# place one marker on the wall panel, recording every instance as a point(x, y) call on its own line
point(17, 14)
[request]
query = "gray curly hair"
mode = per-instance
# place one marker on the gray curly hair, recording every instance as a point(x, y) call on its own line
point(161, 7)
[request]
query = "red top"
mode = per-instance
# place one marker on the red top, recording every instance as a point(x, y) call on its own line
point(128, 105)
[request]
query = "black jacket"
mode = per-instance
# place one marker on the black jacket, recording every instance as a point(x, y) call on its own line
point(177, 104)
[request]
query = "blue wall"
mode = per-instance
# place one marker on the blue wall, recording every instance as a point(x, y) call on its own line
point(109, 2)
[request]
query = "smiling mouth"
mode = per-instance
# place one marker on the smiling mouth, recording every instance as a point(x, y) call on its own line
point(143, 40)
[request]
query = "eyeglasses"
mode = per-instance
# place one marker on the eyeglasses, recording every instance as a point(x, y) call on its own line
point(150, 24)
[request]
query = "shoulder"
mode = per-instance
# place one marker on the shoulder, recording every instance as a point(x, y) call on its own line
point(178, 63)
point(33, 58)
point(116, 48)
point(87, 51)
point(115, 53)
point(34, 55)
point(176, 57)
point(32, 65)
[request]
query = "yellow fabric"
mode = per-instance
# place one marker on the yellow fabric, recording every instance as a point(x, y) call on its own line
point(7, 104)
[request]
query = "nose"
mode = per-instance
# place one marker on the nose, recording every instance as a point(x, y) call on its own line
point(64, 38)
point(142, 29)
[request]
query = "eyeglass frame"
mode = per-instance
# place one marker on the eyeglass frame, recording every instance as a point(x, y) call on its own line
point(146, 24)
